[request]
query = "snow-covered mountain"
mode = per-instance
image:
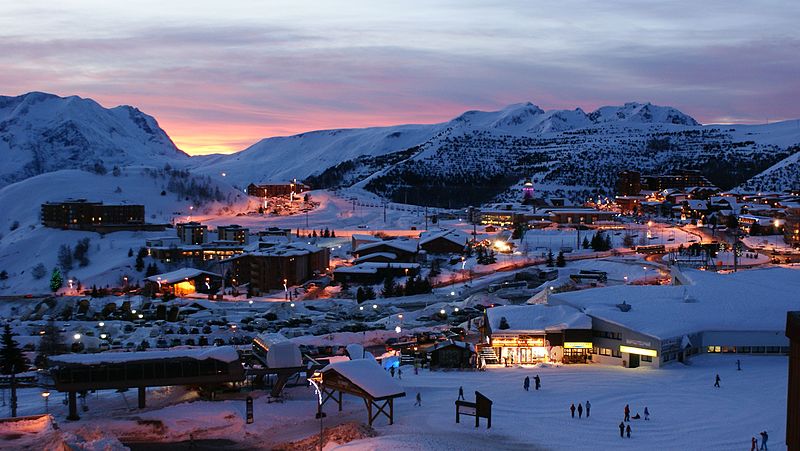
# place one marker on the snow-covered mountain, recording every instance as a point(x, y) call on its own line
point(42, 132)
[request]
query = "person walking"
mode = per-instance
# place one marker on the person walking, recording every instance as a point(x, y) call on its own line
point(627, 413)
point(764, 438)
point(646, 413)
point(580, 410)
point(738, 365)
point(753, 444)
point(622, 429)
point(537, 381)
point(572, 410)
point(399, 373)
point(419, 400)
point(391, 370)
point(716, 381)
point(588, 408)
point(526, 384)
point(628, 430)
point(461, 393)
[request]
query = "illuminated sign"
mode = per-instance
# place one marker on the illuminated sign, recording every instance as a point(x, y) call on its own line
point(578, 345)
point(518, 342)
point(640, 351)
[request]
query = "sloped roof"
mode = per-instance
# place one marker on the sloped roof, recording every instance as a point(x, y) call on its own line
point(537, 318)
point(451, 235)
point(367, 375)
point(403, 245)
point(181, 274)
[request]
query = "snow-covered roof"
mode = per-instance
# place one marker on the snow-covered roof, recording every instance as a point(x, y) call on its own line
point(293, 249)
point(399, 244)
point(537, 318)
point(368, 257)
point(284, 354)
point(446, 343)
point(368, 375)
point(267, 339)
point(221, 353)
point(452, 235)
point(364, 237)
point(373, 267)
point(753, 300)
point(181, 274)
point(695, 204)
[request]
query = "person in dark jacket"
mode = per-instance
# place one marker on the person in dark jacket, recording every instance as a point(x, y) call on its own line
point(461, 393)
point(753, 444)
point(526, 384)
point(580, 410)
point(622, 429)
point(419, 400)
point(764, 438)
point(627, 413)
point(572, 410)
point(588, 408)
point(646, 413)
point(628, 430)
point(537, 381)
point(716, 381)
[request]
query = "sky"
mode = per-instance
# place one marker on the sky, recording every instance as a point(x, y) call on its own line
point(219, 76)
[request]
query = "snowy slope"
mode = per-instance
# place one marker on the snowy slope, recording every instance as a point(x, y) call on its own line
point(42, 132)
point(24, 242)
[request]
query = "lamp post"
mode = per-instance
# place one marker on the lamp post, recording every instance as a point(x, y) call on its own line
point(46, 396)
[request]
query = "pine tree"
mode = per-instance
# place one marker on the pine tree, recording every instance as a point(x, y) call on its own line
point(51, 343)
point(65, 257)
point(585, 243)
point(361, 295)
point(550, 259)
point(369, 292)
point(12, 360)
point(607, 242)
point(560, 260)
point(56, 280)
point(389, 287)
point(333, 234)
point(130, 252)
point(152, 270)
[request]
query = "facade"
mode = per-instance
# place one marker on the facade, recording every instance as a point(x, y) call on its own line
point(81, 214)
point(444, 242)
point(170, 252)
point(292, 188)
point(234, 232)
point(281, 265)
point(580, 215)
point(629, 183)
point(404, 251)
point(192, 232)
point(681, 179)
point(374, 272)
point(791, 230)
point(629, 204)
point(529, 334)
point(793, 395)
point(451, 354)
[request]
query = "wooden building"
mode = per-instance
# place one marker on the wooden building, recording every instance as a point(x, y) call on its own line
point(448, 241)
point(452, 354)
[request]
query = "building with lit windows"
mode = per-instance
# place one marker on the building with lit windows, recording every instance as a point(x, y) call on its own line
point(529, 334)
point(293, 189)
point(185, 281)
point(192, 232)
point(234, 232)
point(791, 229)
point(81, 214)
point(743, 312)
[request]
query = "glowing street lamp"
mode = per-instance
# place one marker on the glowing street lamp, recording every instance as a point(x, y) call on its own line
point(46, 396)
point(77, 337)
point(442, 312)
point(141, 316)
point(70, 283)
point(103, 336)
point(101, 324)
point(374, 306)
point(397, 329)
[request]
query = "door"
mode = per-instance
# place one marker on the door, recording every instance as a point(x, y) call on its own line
point(633, 361)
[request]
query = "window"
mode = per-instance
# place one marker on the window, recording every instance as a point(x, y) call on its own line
point(602, 351)
point(773, 349)
point(758, 349)
point(616, 353)
point(665, 357)
point(745, 349)
point(714, 349)
point(647, 358)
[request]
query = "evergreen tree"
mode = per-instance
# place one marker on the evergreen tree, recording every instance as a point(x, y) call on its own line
point(560, 260)
point(12, 360)
point(550, 263)
point(51, 343)
point(369, 292)
point(65, 257)
point(314, 234)
point(389, 287)
point(56, 280)
point(585, 243)
point(81, 252)
point(361, 296)
point(607, 242)
point(491, 257)
point(152, 270)
point(130, 252)
point(4, 275)
point(333, 234)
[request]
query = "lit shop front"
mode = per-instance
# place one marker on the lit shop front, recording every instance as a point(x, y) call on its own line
point(520, 348)
point(577, 351)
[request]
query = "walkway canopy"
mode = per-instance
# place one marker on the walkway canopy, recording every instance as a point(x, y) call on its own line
point(363, 378)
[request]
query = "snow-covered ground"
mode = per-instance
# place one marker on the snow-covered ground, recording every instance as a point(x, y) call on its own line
point(687, 412)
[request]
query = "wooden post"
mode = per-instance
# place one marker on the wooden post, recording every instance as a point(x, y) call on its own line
point(391, 410)
point(369, 412)
point(73, 407)
point(142, 392)
point(340, 401)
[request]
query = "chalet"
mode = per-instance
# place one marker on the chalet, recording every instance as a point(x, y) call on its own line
point(694, 209)
point(185, 281)
point(629, 204)
point(538, 333)
point(373, 272)
point(451, 354)
point(291, 189)
point(274, 267)
point(357, 239)
point(448, 241)
point(405, 250)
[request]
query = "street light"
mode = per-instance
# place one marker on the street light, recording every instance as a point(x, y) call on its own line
point(103, 336)
point(77, 337)
point(374, 306)
point(46, 395)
